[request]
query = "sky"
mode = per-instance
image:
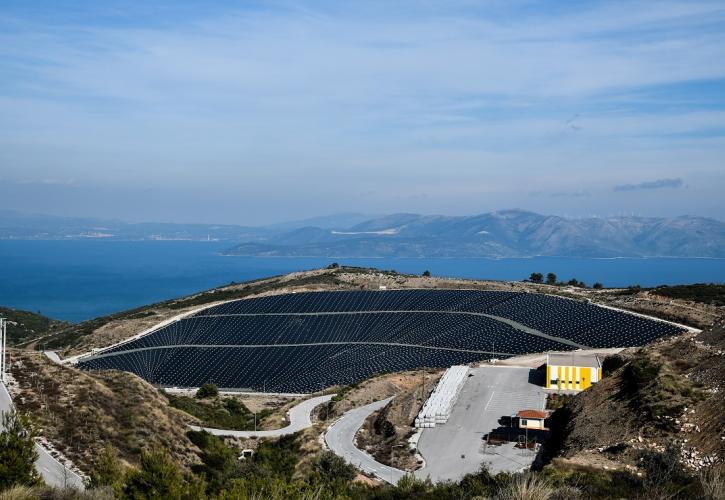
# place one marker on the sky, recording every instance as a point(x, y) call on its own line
point(251, 113)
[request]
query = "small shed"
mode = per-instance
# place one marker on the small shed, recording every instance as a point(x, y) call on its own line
point(532, 419)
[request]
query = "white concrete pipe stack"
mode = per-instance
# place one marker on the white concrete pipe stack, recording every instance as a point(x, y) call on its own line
point(437, 408)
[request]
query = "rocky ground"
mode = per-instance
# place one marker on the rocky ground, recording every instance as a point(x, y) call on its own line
point(386, 432)
point(667, 393)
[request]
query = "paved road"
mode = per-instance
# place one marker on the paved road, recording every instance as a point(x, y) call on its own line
point(339, 438)
point(455, 448)
point(53, 472)
point(274, 346)
point(299, 417)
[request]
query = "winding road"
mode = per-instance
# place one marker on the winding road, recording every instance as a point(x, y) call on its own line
point(299, 417)
point(340, 439)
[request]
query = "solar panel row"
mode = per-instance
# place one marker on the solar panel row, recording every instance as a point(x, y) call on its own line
point(223, 344)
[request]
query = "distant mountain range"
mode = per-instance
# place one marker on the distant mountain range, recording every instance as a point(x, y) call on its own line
point(508, 233)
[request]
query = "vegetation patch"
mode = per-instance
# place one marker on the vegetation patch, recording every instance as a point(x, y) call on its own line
point(25, 326)
point(218, 412)
point(707, 293)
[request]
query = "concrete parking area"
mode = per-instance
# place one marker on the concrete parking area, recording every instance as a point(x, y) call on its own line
point(457, 448)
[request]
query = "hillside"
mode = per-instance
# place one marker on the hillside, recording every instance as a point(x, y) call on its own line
point(667, 393)
point(101, 332)
point(80, 413)
point(509, 233)
point(25, 326)
point(506, 233)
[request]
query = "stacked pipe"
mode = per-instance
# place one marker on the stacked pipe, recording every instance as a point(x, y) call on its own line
point(439, 405)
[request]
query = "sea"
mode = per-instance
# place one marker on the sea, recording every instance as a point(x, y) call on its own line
point(82, 279)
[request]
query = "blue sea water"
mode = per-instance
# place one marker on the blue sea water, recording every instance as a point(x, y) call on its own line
point(77, 280)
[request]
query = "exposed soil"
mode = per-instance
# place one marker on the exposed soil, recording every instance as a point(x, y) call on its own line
point(670, 391)
point(386, 432)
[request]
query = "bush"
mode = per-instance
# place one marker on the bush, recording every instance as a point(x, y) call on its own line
point(639, 373)
point(207, 391)
point(334, 467)
point(611, 364)
point(157, 476)
point(107, 471)
point(527, 486)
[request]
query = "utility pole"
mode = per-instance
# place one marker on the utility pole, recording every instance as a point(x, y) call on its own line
point(3, 346)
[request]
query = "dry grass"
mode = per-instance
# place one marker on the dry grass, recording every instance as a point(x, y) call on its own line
point(48, 493)
point(526, 486)
point(80, 412)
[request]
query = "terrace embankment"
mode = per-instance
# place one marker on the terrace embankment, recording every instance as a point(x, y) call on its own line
point(667, 393)
point(104, 331)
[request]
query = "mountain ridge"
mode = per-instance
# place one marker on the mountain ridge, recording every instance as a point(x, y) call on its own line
point(499, 234)
point(507, 233)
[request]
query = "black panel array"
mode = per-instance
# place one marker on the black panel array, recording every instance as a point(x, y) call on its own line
point(298, 342)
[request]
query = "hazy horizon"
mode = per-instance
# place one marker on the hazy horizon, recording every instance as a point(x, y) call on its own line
point(269, 112)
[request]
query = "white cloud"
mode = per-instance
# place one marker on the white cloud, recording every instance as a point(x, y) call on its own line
point(457, 101)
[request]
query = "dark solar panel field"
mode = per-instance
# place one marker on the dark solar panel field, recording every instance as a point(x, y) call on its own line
point(302, 342)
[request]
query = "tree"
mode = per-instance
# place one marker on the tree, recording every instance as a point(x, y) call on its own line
point(157, 476)
point(334, 265)
point(333, 466)
point(536, 278)
point(17, 451)
point(207, 391)
point(551, 279)
point(108, 470)
point(597, 286)
point(426, 274)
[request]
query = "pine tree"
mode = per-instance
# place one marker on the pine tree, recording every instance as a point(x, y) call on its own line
point(157, 476)
point(107, 471)
point(17, 451)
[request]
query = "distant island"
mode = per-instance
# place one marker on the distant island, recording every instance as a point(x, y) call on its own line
point(501, 234)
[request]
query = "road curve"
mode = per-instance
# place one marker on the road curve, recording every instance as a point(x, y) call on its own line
point(299, 417)
point(340, 439)
point(53, 472)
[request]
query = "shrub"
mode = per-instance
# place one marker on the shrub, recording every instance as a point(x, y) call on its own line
point(334, 467)
point(611, 364)
point(527, 486)
point(639, 373)
point(107, 471)
point(157, 476)
point(207, 391)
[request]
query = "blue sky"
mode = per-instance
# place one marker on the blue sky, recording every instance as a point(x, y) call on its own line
point(260, 112)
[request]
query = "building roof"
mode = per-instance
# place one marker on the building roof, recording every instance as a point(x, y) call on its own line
point(573, 359)
point(532, 414)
